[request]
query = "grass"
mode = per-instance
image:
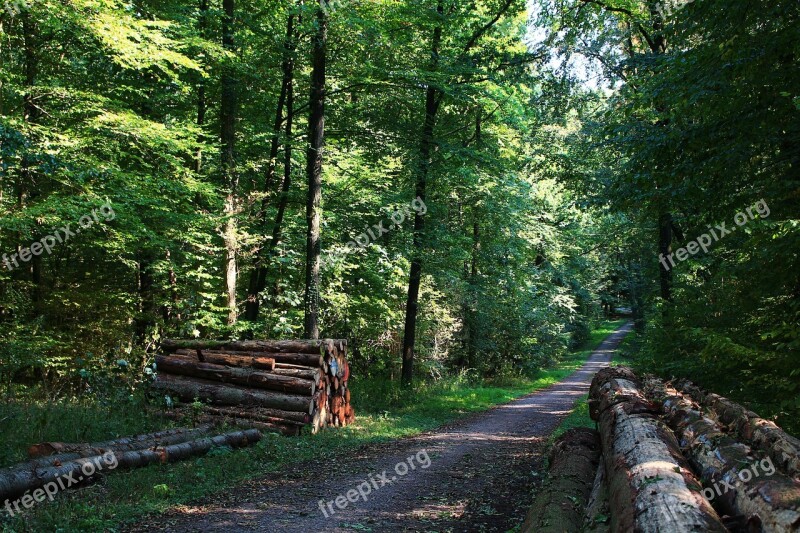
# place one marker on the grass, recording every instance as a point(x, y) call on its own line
point(579, 417)
point(384, 413)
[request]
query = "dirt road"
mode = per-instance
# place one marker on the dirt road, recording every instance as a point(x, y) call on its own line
point(476, 475)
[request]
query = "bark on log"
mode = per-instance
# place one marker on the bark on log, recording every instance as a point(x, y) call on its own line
point(79, 471)
point(597, 516)
point(243, 414)
point(559, 505)
point(186, 366)
point(737, 481)
point(311, 374)
point(257, 413)
point(651, 486)
point(765, 435)
point(301, 360)
point(262, 363)
point(138, 442)
point(318, 347)
point(189, 389)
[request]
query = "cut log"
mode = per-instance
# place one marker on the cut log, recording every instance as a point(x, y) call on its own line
point(310, 374)
point(651, 485)
point(597, 517)
point(81, 470)
point(300, 360)
point(560, 503)
point(189, 389)
point(261, 363)
point(737, 482)
point(244, 414)
point(256, 413)
point(317, 347)
point(186, 366)
point(763, 434)
point(138, 442)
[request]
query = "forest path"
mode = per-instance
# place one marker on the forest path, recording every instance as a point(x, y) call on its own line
point(480, 473)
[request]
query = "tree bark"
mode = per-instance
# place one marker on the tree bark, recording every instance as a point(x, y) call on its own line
point(432, 101)
point(190, 389)
point(651, 486)
point(229, 171)
point(559, 505)
point(311, 346)
point(202, 24)
point(316, 139)
point(730, 469)
point(56, 450)
point(765, 435)
point(19, 482)
point(186, 366)
point(242, 361)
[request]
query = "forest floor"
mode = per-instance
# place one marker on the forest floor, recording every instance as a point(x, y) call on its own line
point(472, 475)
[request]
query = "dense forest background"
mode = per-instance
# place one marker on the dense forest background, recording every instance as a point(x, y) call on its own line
point(468, 185)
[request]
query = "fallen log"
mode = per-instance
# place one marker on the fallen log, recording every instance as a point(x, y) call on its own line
point(651, 486)
point(559, 504)
point(783, 448)
point(737, 482)
point(159, 438)
point(189, 389)
point(186, 366)
point(596, 518)
point(56, 478)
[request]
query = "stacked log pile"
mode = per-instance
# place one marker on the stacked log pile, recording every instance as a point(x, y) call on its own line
point(675, 459)
point(280, 386)
point(53, 462)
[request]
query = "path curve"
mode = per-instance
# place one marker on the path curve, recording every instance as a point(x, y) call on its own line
point(479, 476)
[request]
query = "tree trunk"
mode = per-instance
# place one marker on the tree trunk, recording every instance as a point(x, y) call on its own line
point(202, 24)
point(559, 505)
point(31, 113)
point(311, 346)
point(20, 481)
point(665, 249)
point(56, 450)
point(242, 361)
point(316, 139)
point(229, 171)
point(651, 486)
point(186, 366)
point(190, 389)
point(736, 481)
point(432, 102)
point(265, 415)
point(765, 435)
point(285, 100)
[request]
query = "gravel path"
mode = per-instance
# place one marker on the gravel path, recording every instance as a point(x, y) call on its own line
point(475, 475)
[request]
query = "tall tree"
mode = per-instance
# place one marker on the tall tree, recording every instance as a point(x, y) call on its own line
point(229, 170)
point(316, 141)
